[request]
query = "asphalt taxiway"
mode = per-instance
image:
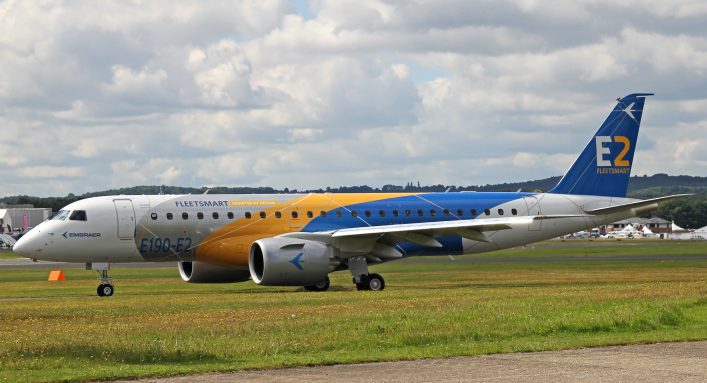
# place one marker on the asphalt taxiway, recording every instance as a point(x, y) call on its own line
point(662, 362)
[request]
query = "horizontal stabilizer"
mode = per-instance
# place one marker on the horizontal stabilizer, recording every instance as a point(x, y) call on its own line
point(639, 206)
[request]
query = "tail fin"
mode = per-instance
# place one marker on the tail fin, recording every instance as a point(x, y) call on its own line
point(604, 167)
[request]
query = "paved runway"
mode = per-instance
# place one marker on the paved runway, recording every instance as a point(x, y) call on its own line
point(663, 362)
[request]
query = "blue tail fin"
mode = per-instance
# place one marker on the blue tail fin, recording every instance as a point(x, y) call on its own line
point(604, 167)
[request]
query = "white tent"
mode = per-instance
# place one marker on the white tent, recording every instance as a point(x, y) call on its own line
point(647, 231)
point(629, 229)
point(678, 229)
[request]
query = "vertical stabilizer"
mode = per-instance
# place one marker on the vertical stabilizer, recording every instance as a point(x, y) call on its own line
point(604, 166)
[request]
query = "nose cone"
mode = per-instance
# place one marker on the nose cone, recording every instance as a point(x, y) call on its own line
point(27, 246)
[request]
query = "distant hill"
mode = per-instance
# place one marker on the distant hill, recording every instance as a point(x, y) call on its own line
point(690, 213)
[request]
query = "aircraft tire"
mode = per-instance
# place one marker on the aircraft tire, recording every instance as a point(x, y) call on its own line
point(363, 284)
point(371, 282)
point(375, 282)
point(321, 286)
point(105, 290)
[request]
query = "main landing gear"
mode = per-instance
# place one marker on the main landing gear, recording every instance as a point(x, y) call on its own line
point(105, 289)
point(363, 280)
point(321, 286)
point(371, 282)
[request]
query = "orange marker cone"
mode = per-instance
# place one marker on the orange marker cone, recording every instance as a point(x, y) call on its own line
point(56, 275)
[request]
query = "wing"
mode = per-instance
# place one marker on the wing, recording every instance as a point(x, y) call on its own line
point(381, 240)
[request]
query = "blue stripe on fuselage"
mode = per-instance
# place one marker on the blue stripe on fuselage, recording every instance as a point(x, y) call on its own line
point(436, 202)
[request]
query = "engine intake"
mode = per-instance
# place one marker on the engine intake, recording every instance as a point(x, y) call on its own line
point(201, 272)
point(289, 262)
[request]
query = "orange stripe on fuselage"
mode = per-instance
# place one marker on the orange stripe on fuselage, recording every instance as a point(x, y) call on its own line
point(230, 244)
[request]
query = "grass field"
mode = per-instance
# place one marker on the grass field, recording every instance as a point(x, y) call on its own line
point(158, 325)
point(6, 254)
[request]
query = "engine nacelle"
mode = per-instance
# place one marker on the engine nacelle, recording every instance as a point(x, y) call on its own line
point(289, 262)
point(201, 272)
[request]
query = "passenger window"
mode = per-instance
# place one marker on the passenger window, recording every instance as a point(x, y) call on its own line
point(395, 213)
point(309, 214)
point(294, 214)
point(200, 215)
point(420, 213)
point(215, 215)
point(354, 213)
point(473, 212)
point(262, 214)
point(446, 212)
point(487, 212)
point(514, 211)
point(433, 212)
point(322, 213)
point(278, 214)
point(185, 216)
point(460, 212)
point(248, 215)
point(381, 213)
point(78, 215)
point(153, 216)
point(170, 216)
point(500, 211)
point(367, 213)
point(338, 214)
point(230, 215)
point(407, 213)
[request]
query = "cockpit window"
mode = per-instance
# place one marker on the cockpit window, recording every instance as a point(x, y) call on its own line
point(61, 215)
point(78, 215)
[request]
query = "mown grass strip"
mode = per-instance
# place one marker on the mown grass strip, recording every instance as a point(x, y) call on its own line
point(157, 325)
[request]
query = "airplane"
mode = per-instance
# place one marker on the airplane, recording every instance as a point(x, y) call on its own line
point(299, 239)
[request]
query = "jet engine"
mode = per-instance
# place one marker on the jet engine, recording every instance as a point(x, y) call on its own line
point(200, 272)
point(289, 262)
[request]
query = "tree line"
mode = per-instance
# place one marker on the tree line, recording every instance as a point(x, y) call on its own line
point(690, 212)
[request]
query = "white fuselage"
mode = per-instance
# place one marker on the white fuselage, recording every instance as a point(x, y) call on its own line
point(137, 228)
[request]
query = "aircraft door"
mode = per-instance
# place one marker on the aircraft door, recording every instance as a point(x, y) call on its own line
point(126, 218)
point(533, 205)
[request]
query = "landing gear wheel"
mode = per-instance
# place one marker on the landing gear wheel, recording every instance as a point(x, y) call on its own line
point(363, 284)
point(105, 290)
point(321, 286)
point(371, 282)
point(375, 282)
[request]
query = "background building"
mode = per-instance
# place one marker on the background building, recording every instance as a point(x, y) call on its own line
point(20, 218)
point(656, 225)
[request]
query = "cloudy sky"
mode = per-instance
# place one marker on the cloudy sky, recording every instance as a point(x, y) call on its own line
point(307, 94)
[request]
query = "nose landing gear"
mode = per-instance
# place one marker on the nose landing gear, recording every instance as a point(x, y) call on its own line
point(105, 289)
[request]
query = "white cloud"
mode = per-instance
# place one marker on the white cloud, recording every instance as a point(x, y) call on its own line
point(126, 81)
point(105, 94)
point(49, 172)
